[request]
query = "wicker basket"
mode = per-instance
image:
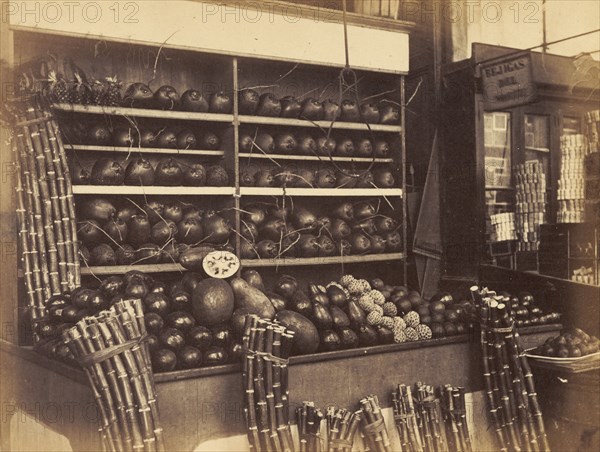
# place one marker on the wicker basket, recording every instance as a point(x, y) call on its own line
point(575, 365)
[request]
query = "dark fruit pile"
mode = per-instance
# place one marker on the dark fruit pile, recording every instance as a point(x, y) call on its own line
point(572, 343)
point(526, 312)
point(272, 231)
point(324, 177)
point(251, 103)
point(198, 321)
point(168, 172)
point(347, 314)
point(166, 137)
point(149, 233)
point(182, 332)
point(108, 92)
point(290, 143)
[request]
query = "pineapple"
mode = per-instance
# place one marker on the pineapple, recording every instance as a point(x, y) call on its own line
point(346, 280)
point(377, 297)
point(399, 337)
point(412, 319)
point(424, 332)
point(411, 334)
point(390, 309)
point(374, 318)
point(98, 93)
point(58, 89)
point(399, 324)
point(80, 92)
point(113, 92)
point(388, 322)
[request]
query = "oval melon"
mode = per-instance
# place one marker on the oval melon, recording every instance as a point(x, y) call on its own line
point(306, 336)
point(212, 302)
point(249, 297)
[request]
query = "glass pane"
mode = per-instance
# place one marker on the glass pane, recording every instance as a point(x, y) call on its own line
point(537, 131)
point(537, 142)
point(497, 144)
point(571, 126)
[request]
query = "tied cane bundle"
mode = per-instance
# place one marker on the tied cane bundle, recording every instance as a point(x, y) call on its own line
point(45, 207)
point(309, 420)
point(111, 349)
point(373, 426)
point(510, 391)
point(428, 411)
point(455, 419)
point(342, 425)
point(406, 419)
point(419, 420)
point(267, 346)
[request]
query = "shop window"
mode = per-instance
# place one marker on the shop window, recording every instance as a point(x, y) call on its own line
point(537, 142)
point(571, 126)
point(497, 144)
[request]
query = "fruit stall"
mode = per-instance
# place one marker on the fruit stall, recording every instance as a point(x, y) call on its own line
point(212, 246)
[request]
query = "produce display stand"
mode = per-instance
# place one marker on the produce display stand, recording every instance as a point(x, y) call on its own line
point(133, 53)
point(202, 404)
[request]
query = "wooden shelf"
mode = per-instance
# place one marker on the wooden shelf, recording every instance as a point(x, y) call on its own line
point(135, 149)
point(122, 269)
point(314, 158)
point(152, 190)
point(143, 113)
point(304, 261)
point(267, 121)
point(280, 191)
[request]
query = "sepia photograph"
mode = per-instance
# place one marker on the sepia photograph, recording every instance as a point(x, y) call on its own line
point(300, 226)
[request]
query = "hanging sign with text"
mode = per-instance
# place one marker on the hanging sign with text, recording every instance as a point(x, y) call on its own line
point(508, 83)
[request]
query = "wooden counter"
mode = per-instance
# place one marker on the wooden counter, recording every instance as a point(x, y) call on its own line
point(202, 404)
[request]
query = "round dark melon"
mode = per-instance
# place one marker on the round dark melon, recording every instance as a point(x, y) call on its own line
point(212, 302)
point(306, 336)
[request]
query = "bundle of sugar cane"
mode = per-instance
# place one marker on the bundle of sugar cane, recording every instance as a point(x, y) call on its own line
point(373, 425)
point(510, 390)
point(309, 419)
point(455, 419)
point(406, 419)
point(45, 207)
point(267, 347)
point(341, 428)
point(428, 414)
point(111, 349)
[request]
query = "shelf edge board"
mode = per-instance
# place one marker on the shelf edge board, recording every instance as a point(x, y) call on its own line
point(292, 122)
point(315, 158)
point(151, 190)
point(290, 262)
point(143, 112)
point(356, 192)
point(122, 269)
point(94, 148)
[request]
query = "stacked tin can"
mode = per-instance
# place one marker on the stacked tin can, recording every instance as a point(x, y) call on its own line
point(530, 203)
point(503, 225)
point(571, 184)
point(592, 168)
